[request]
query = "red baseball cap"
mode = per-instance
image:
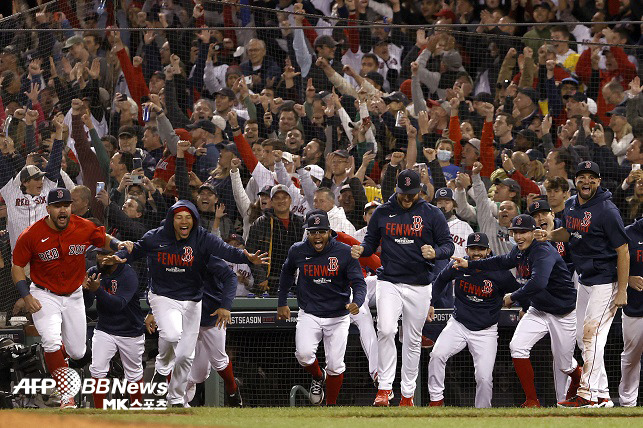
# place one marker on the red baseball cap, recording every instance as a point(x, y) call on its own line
point(447, 14)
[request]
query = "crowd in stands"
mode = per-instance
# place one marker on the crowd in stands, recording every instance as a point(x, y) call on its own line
point(285, 106)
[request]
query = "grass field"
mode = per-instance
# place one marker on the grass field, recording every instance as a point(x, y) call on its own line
point(354, 417)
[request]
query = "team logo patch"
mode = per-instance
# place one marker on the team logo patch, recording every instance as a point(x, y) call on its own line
point(407, 181)
point(417, 223)
point(536, 204)
point(476, 238)
point(588, 164)
point(187, 256)
point(518, 221)
point(316, 220)
point(443, 192)
point(113, 287)
point(333, 264)
point(488, 287)
point(587, 220)
point(60, 194)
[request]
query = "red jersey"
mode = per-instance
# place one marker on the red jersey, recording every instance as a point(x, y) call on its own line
point(373, 262)
point(57, 258)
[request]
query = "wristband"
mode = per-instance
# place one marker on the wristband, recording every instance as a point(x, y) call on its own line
point(235, 129)
point(511, 172)
point(23, 288)
point(113, 244)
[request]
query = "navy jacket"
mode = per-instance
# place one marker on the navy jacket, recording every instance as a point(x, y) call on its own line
point(177, 268)
point(325, 279)
point(596, 230)
point(634, 307)
point(478, 295)
point(403, 233)
point(219, 291)
point(546, 283)
point(118, 302)
point(563, 248)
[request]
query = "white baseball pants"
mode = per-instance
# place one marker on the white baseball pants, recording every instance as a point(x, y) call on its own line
point(105, 346)
point(482, 346)
point(209, 353)
point(178, 325)
point(61, 320)
point(628, 389)
point(597, 305)
point(412, 303)
point(367, 335)
point(333, 331)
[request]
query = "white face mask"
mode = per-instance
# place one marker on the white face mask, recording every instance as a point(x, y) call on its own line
point(444, 155)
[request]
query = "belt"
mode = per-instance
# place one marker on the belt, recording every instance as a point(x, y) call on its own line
point(52, 292)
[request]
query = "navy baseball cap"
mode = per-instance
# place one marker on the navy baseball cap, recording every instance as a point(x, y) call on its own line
point(477, 239)
point(538, 206)
point(317, 221)
point(618, 111)
point(523, 222)
point(265, 190)
point(569, 80)
point(235, 237)
point(408, 182)
point(510, 183)
point(588, 166)
point(204, 124)
point(444, 193)
point(57, 195)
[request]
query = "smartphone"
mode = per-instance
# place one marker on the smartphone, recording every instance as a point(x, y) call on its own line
point(248, 80)
point(100, 186)
point(419, 167)
point(398, 119)
point(636, 166)
point(137, 164)
point(146, 114)
point(123, 97)
point(370, 147)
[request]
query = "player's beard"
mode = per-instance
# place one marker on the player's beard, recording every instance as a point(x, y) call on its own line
point(61, 222)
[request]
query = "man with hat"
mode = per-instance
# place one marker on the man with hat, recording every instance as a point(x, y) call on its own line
point(54, 247)
point(526, 102)
point(474, 324)
point(413, 235)
point(599, 247)
point(327, 276)
point(128, 141)
point(622, 135)
point(547, 288)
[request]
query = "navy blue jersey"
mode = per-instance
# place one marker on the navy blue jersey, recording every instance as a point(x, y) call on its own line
point(402, 234)
point(325, 279)
point(177, 267)
point(563, 248)
point(219, 290)
point(478, 295)
point(634, 307)
point(118, 302)
point(596, 230)
point(546, 282)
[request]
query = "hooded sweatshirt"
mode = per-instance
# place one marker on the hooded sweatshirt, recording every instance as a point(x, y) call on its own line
point(177, 268)
point(596, 230)
point(325, 278)
point(219, 291)
point(402, 234)
point(634, 307)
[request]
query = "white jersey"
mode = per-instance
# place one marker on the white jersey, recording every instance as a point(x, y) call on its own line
point(23, 210)
point(459, 230)
point(242, 269)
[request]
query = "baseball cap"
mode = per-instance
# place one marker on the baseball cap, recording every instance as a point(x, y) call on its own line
point(381, 41)
point(375, 77)
point(265, 190)
point(204, 124)
point(523, 222)
point(30, 172)
point(588, 166)
point(72, 41)
point(530, 135)
point(158, 74)
point(372, 204)
point(324, 40)
point(408, 182)
point(396, 96)
point(317, 221)
point(569, 80)
point(345, 187)
point(127, 131)
point(535, 155)
point(287, 156)
point(579, 96)
point(538, 206)
point(226, 92)
point(231, 147)
point(57, 195)
point(219, 122)
point(315, 171)
point(510, 183)
point(235, 237)
point(444, 193)
point(478, 239)
point(530, 93)
point(618, 111)
point(209, 187)
point(278, 188)
point(447, 14)
point(342, 153)
point(475, 143)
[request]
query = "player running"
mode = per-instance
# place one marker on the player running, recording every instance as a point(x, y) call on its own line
point(474, 324)
point(327, 274)
point(55, 246)
point(549, 291)
point(413, 234)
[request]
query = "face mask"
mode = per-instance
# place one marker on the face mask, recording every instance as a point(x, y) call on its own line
point(447, 214)
point(444, 155)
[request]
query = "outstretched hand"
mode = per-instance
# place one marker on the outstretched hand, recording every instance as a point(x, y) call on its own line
point(258, 258)
point(460, 263)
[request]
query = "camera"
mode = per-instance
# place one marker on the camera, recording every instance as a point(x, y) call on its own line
point(18, 362)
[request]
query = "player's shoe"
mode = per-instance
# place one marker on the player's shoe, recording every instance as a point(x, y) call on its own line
point(316, 394)
point(190, 392)
point(530, 403)
point(235, 400)
point(427, 343)
point(605, 402)
point(574, 384)
point(177, 405)
point(577, 402)
point(157, 379)
point(67, 403)
point(383, 397)
point(439, 403)
point(406, 402)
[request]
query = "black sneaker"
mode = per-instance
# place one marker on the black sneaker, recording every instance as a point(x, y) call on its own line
point(177, 405)
point(158, 378)
point(316, 394)
point(235, 400)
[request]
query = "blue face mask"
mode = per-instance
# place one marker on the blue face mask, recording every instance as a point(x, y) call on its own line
point(444, 155)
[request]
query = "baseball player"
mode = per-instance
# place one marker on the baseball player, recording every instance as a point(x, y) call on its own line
point(598, 244)
point(327, 274)
point(548, 289)
point(628, 389)
point(177, 254)
point(413, 234)
point(55, 248)
point(120, 325)
point(474, 324)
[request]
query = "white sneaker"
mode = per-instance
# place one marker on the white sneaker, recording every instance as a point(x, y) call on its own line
point(316, 394)
point(605, 402)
